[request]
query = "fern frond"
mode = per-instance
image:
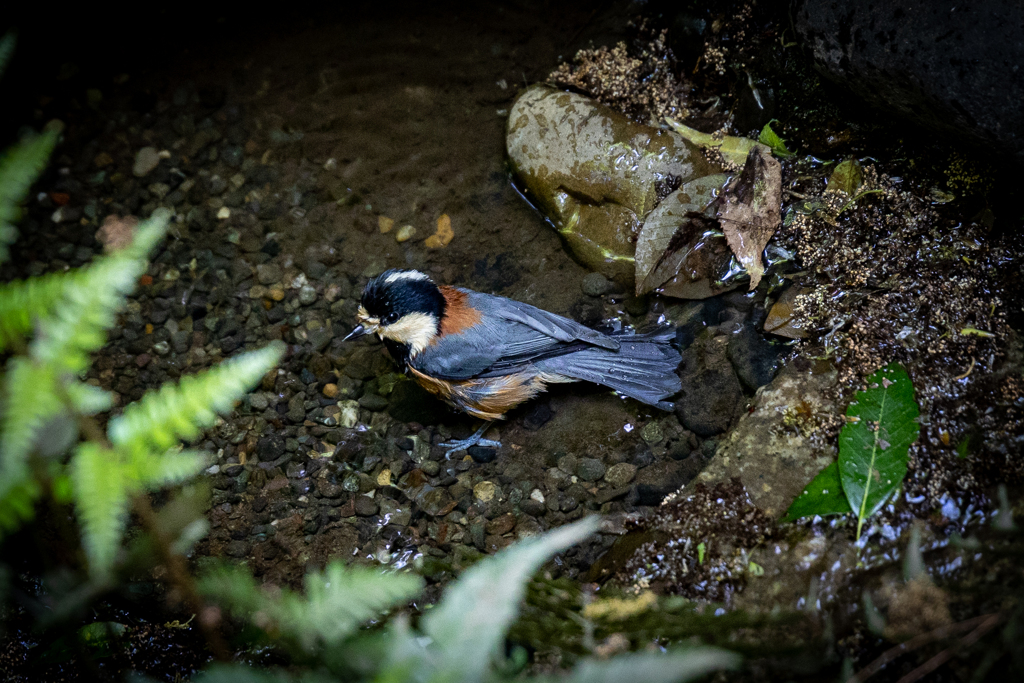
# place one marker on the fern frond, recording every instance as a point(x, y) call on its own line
point(337, 601)
point(78, 323)
point(6, 50)
point(340, 599)
point(101, 497)
point(17, 501)
point(24, 301)
point(30, 398)
point(20, 165)
point(169, 468)
point(87, 399)
point(161, 418)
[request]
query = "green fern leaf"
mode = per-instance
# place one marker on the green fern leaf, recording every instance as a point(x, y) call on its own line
point(24, 301)
point(17, 501)
point(87, 399)
point(19, 167)
point(655, 667)
point(169, 468)
point(101, 498)
point(110, 278)
point(30, 398)
point(340, 599)
point(337, 601)
point(469, 625)
point(161, 418)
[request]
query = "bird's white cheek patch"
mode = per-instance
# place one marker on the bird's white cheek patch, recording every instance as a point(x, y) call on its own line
point(416, 330)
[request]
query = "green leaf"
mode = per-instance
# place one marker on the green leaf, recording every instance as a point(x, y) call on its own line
point(734, 149)
point(873, 446)
point(101, 498)
point(20, 165)
point(655, 667)
point(163, 417)
point(847, 177)
point(239, 673)
point(17, 501)
point(823, 496)
point(168, 468)
point(770, 137)
point(337, 601)
point(469, 625)
point(88, 399)
point(24, 301)
point(30, 399)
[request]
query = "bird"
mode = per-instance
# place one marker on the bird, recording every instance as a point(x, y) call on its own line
point(485, 354)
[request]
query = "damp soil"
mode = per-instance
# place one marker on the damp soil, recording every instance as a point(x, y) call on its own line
point(298, 152)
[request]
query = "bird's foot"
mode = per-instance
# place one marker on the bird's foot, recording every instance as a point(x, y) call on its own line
point(475, 440)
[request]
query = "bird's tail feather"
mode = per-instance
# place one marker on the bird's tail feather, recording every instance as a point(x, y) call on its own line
point(644, 367)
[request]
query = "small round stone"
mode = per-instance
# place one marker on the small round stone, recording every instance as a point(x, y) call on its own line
point(590, 469)
point(620, 475)
point(365, 506)
point(596, 284)
point(482, 454)
point(484, 491)
point(406, 232)
point(651, 433)
point(307, 295)
point(330, 390)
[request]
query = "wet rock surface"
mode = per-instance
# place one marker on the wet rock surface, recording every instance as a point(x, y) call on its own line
point(945, 68)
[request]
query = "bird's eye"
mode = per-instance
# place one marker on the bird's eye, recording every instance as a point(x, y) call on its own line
point(389, 319)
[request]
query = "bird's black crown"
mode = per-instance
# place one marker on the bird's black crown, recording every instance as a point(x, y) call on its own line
point(395, 293)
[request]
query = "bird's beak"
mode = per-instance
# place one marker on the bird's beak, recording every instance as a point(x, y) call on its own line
point(357, 332)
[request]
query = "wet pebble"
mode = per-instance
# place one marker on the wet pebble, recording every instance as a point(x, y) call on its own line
point(590, 469)
point(373, 402)
point(237, 549)
point(146, 159)
point(619, 475)
point(484, 491)
point(307, 295)
point(395, 514)
point(268, 273)
point(501, 525)
point(596, 284)
point(365, 506)
point(328, 489)
point(482, 454)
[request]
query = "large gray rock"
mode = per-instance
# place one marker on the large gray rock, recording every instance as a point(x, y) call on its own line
point(953, 67)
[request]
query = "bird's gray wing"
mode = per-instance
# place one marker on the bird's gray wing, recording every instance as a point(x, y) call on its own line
point(550, 324)
point(508, 336)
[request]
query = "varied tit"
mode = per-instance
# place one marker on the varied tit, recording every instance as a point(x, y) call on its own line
point(486, 354)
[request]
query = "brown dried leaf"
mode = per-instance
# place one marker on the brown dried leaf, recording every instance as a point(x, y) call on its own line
point(750, 210)
point(661, 224)
point(695, 262)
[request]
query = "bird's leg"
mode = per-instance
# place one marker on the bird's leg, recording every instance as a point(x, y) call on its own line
point(475, 440)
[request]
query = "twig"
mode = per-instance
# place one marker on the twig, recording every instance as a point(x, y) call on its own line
point(944, 656)
point(916, 642)
point(966, 374)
